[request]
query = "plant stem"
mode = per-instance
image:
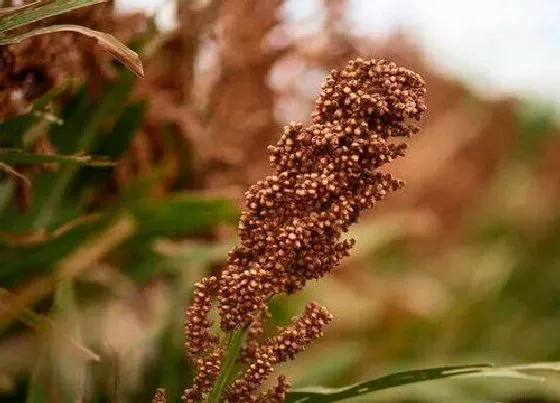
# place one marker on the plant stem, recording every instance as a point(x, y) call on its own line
point(231, 353)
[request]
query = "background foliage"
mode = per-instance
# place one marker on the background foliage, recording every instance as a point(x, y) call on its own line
point(116, 194)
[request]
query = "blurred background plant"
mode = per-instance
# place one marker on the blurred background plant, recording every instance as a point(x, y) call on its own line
point(124, 192)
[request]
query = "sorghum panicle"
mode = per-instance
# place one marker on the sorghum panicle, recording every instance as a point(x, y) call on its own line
point(291, 230)
point(326, 174)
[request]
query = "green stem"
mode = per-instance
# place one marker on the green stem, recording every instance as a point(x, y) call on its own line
point(235, 341)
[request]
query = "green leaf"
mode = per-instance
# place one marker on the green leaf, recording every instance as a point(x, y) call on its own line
point(24, 261)
point(70, 359)
point(536, 126)
point(113, 101)
point(14, 220)
point(178, 215)
point(107, 42)
point(116, 142)
point(94, 248)
point(322, 395)
point(41, 10)
point(76, 113)
point(15, 156)
point(113, 144)
point(13, 130)
point(235, 341)
point(37, 392)
point(181, 214)
point(17, 9)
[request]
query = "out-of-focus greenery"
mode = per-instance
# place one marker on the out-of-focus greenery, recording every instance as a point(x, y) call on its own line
point(59, 258)
point(93, 293)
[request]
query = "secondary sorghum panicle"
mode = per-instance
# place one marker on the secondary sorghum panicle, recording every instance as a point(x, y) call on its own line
point(303, 330)
point(283, 346)
point(198, 338)
point(326, 174)
point(207, 371)
point(291, 230)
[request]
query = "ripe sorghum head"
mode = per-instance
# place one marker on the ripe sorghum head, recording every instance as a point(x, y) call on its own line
point(326, 174)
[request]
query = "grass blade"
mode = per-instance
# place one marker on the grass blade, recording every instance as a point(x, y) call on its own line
point(68, 268)
point(113, 100)
point(16, 18)
point(14, 156)
point(228, 364)
point(322, 395)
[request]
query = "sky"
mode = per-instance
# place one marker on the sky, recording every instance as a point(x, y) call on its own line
point(498, 46)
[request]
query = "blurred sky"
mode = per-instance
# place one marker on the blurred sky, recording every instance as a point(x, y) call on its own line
point(497, 45)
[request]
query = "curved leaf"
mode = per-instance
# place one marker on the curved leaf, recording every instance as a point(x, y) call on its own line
point(15, 17)
point(108, 42)
point(322, 395)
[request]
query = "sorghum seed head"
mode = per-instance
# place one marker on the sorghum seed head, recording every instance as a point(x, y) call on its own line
point(326, 174)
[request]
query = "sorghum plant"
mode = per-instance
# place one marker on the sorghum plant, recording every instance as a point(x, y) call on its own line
point(325, 175)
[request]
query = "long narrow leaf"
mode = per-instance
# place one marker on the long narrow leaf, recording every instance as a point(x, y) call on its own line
point(182, 214)
point(322, 395)
point(94, 248)
point(108, 42)
point(39, 11)
point(18, 9)
point(14, 156)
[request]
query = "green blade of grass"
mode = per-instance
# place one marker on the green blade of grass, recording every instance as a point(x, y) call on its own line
point(181, 214)
point(13, 130)
point(13, 156)
point(322, 395)
point(41, 10)
point(93, 249)
point(113, 101)
point(235, 341)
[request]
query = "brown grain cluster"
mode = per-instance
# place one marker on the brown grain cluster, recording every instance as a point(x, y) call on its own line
point(284, 345)
point(292, 228)
point(198, 338)
point(201, 345)
point(207, 371)
point(326, 174)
